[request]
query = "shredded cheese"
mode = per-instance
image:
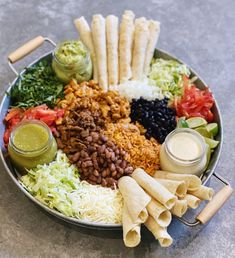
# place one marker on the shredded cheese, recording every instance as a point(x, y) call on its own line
point(96, 203)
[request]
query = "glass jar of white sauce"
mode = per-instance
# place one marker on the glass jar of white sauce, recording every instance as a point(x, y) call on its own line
point(184, 151)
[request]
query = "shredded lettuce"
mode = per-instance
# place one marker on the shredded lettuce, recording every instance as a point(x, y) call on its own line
point(168, 76)
point(51, 184)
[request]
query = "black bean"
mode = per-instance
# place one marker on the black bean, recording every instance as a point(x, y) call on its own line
point(155, 116)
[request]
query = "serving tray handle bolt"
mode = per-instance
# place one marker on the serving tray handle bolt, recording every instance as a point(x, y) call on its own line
point(213, 206)
point(26, 49)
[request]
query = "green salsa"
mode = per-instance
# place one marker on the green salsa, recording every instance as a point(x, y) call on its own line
point(30, 137)
point(31, 143)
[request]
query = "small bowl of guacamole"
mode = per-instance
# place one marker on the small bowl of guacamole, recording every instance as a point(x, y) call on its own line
point(71, 60)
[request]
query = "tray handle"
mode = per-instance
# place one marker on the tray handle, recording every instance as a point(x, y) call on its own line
point(216, 203)
point(26, 49)
point(213, 206)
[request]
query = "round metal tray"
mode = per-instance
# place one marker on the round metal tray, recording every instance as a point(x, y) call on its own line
point(12, 173)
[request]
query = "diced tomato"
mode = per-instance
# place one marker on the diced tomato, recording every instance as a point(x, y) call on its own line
point(59, 112)
point(48, 119)
point(195, 102)
point(43, 112)
point(14, 121)
point(6, 136)
point(12, 113)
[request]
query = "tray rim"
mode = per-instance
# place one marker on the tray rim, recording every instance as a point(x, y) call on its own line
point(99, 225)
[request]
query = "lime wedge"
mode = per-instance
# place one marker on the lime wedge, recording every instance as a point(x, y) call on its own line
point(213, 128)
point(182, 123)
point(208, 155)
point(212, 143)
point(195, 122)
point(203, 131)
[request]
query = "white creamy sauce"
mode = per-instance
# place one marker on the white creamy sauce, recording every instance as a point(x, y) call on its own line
point(185, 146)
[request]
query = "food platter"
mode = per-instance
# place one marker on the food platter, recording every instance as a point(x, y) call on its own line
point(10, 170)
point(204, 177)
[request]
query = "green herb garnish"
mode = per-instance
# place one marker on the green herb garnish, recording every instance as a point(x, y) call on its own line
point(38, 85)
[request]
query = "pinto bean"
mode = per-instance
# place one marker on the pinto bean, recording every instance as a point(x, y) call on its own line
point(75, 157)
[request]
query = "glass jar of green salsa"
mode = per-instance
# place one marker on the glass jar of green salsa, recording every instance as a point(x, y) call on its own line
point(71, 60)
point(31, 143)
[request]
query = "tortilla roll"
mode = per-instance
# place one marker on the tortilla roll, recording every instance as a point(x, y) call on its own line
point(193, 182)
point(180, 208)
point(131, 231)
point(154, 31)
point(203, 193)
point(192, 201)
point(135, 199)
point(154, 189)
point(126, 35)
point(99, 41)
point(112, 49)
point(141, 37)
point(178, 188)
point(86, 37)
point(160, 233)
point(159, 213)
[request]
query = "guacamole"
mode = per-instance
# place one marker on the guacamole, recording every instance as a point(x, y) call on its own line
point(72, 61)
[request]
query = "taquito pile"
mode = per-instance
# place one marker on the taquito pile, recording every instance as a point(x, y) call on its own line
point(119, 52)
point(152, 201)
